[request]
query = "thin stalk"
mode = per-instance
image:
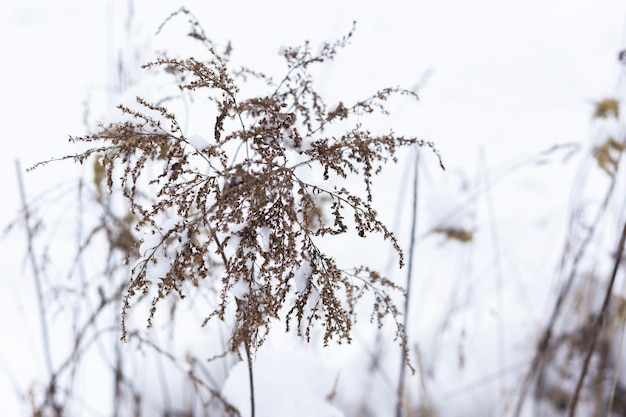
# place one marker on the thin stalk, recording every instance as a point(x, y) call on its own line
point(546, 338)
point(497, 260)
point(600, 319)
point(617, 368)
point(247, 344)
point(30, 234)
point(250, 378)
point(409, 273)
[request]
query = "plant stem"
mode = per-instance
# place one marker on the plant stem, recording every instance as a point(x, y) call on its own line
point(600, 319)
point(409, 272)
point(250, 378)
point(541, 353)
point(30, 235)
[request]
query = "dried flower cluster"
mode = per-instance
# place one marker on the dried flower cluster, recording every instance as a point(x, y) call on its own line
point(234, 213)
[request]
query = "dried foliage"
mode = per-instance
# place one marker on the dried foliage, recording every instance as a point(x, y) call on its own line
point(235, 213)
point(608, 155)
point(454, 233)
point(605, 108)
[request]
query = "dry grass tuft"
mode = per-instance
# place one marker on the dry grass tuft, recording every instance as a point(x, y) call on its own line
point(234, 213)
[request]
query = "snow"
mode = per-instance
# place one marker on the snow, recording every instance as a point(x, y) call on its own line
point(302, 275)
point(286, 384)
point(263, 237)
point(198, 142)
point(240, 289)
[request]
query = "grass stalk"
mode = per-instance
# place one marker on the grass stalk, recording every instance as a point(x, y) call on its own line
point(409, 273)
point(598, 323)
point(30, 237)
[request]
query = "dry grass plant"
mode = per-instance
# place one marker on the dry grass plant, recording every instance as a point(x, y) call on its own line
point(234, 213)
point(573, 366)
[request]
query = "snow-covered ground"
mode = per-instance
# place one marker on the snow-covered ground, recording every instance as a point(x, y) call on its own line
point(499, 84)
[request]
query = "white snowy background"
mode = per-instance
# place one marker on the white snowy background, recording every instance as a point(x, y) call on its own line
point(500, 82)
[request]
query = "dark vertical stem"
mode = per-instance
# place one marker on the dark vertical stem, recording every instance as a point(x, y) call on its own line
point(248, 343)
point(600, 319)
point(544, 342)
point(117, 382)
point(30, 235)
point(250, 378)
point(409, 273)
